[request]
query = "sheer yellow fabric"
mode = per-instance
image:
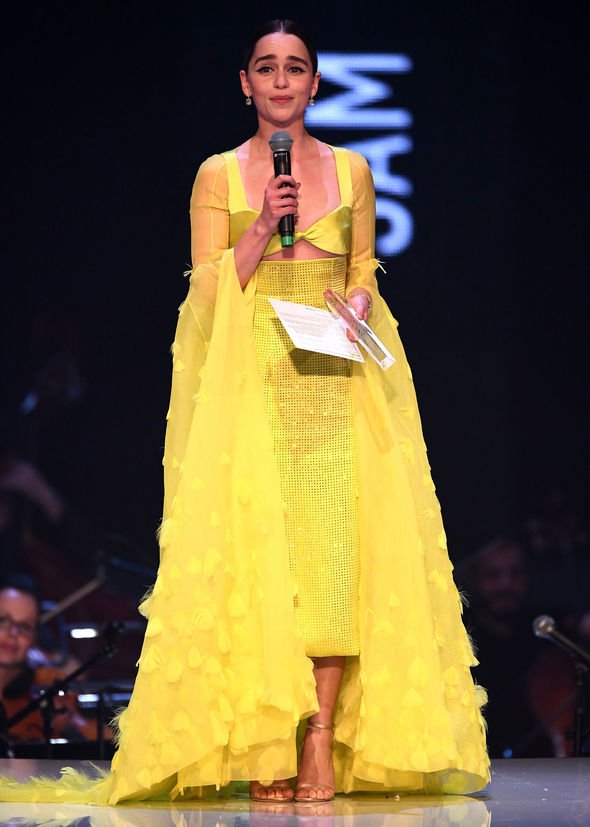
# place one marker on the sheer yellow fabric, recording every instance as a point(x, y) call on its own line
point(219, 189)
point(223, 677)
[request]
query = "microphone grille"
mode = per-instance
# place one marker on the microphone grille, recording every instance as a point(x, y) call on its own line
point(280, 141)
point(543, 625)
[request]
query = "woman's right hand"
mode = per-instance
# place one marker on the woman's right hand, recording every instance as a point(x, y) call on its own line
point(281, 197)
point(278, 202)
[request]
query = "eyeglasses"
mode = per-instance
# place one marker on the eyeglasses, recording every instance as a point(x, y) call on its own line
point(24, 629)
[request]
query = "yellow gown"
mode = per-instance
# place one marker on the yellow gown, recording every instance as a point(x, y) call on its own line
point(225, 676)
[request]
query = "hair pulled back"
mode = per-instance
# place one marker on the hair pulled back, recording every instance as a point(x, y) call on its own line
point(285, 27)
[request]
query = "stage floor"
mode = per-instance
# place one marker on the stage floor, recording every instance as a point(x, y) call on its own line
point(532, 793)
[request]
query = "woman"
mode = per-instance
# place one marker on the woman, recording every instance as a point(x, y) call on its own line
point(304, 581)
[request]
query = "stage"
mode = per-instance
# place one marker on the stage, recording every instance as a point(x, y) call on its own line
point(523, 793)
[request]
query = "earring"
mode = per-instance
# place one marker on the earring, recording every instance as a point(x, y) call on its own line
point(248, 100)
point(312, 101)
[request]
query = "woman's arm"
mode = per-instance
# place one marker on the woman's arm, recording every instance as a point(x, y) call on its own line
point(278, 202)
point(210, 218)
point(361, 284)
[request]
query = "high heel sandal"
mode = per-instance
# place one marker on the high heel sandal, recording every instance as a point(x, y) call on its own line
point(307, 799)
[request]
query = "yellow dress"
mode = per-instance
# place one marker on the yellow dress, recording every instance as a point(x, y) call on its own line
point(224, 676)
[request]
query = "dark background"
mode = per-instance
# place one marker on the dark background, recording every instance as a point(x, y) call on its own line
point(111, 106)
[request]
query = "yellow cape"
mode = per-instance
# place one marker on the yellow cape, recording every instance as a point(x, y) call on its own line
point(223, 677)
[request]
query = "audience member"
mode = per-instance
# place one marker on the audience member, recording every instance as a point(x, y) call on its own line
point(23, 668)
point(530, 682)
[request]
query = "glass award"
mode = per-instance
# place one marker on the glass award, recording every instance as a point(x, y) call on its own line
point(361, 330)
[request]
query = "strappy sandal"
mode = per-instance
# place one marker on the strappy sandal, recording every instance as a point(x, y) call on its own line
point(307, 799)
point(274, 786)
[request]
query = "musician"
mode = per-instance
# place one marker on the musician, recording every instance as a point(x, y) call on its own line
point(21, 674)
point(529, 682)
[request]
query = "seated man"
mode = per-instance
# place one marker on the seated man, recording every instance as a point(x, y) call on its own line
point(530, 683)
point(19, 616)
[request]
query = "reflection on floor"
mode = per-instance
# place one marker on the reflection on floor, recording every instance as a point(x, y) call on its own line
point(534, 793)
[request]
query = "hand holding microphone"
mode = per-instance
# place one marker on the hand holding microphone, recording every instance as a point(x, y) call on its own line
point(281, 143)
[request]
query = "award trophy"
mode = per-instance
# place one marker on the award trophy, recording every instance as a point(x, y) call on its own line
point(363, 333)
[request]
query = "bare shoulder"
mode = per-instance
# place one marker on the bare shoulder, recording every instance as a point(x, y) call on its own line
point(243, 150)
point(325, 150)
point(357, 161)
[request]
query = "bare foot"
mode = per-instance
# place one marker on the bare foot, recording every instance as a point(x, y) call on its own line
point(315, 781)
point(278, 791)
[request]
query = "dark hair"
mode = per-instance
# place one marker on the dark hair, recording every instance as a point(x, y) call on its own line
point(286, 27)
point(20, 582)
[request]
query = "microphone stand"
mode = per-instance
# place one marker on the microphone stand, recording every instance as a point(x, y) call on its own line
point(45, 703)
point(544, 627)
point(579, 734)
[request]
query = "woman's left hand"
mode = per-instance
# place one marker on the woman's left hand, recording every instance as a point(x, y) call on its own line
point(361, 304)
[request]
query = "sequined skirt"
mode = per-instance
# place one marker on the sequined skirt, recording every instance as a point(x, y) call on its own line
point(309, 405)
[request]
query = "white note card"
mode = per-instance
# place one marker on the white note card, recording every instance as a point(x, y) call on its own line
point(312, 328)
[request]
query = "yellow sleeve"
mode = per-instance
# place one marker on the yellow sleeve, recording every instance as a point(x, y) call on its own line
point(211, 262)
point(209, 212)
point(361, 259)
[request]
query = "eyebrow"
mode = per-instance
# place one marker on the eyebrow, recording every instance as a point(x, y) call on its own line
point(274, 57)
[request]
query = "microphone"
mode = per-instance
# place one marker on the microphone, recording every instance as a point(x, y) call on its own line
point(544, 626)
point(281, 143)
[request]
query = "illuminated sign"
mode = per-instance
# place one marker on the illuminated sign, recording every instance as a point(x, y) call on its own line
point(359, 106)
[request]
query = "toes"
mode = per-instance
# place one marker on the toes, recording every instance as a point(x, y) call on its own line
point(284, 794)
point(259, 791)
point(271, 792)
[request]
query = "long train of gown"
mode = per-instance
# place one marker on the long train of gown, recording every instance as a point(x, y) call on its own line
point(223, 679)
